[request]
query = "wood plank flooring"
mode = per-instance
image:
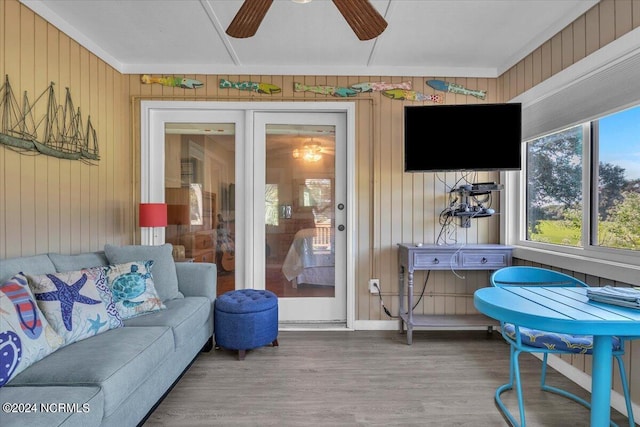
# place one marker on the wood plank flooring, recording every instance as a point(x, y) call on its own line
point(365, 378)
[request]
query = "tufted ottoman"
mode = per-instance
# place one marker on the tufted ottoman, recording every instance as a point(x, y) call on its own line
point(245, 319)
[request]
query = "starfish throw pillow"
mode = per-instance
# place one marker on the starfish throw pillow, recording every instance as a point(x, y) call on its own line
point(25, 334)
point(77, 304)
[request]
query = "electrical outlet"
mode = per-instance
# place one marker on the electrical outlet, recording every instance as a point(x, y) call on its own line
point(374, 286)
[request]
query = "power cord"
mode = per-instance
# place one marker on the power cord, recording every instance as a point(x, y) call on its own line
point(384, 307)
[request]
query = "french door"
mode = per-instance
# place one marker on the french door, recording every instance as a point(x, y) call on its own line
point(300, 205)
point(267, 184)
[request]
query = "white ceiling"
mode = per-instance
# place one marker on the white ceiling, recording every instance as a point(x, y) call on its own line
point(453, 38)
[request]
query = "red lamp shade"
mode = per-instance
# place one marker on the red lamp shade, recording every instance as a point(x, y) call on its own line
point(153, 215)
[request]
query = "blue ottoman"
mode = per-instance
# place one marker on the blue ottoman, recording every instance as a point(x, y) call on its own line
point(246, 319)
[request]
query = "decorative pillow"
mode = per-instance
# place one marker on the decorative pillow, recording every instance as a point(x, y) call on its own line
point(78, 304)
point(76, 262)
point(25, 334)
point(133, 288)
point(165, 277)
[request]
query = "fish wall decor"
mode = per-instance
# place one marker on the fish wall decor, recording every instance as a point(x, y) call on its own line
point(380, 86)
point(181, 82)
point(456, 88)
point(266, 88)
point(411, 95)
point(341, 92)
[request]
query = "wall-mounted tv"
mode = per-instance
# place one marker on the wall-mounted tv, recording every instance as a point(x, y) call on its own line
point(465, 137)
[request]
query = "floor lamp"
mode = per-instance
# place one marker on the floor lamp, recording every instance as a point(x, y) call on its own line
point(153, 215)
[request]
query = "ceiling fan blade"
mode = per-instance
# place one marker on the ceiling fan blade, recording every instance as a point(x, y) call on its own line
point(362, 17)
point(248, 19)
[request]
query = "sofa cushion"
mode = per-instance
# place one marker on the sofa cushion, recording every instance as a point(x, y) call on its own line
point(86, 406)
point(164, 267)
point(136, 355)
point(78, 304)
point(183, 316)
point(25, 334)
point(79, 261)
point(133, 288)
point(37, 264)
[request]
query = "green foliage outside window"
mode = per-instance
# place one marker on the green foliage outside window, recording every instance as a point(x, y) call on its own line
point(555, 175)
point(554, 188)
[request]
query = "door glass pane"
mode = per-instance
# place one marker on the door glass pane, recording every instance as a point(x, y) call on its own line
point(200, 195)
point(299, 210)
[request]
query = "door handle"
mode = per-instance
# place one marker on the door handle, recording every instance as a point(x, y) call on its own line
point(341, 227)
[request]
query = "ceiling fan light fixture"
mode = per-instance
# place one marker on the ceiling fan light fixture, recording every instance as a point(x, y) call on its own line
point(310, 151)
point(302, 1)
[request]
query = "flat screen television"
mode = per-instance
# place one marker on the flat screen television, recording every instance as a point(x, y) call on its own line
point(465, 137)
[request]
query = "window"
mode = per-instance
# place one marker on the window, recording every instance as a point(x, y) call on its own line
point(557, 177)
point(554, 188)
point(617, 142)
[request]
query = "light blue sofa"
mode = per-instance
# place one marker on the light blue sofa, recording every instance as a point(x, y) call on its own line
point(117, 377)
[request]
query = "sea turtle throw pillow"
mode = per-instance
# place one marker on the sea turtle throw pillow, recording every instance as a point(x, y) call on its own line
point(133, 290)
point(25, 334)
point(78, 304)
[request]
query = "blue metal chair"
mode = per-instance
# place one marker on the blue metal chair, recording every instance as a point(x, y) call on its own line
point(525, 340)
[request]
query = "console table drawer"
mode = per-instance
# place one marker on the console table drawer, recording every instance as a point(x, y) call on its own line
point(435, 260)
point(485, 260)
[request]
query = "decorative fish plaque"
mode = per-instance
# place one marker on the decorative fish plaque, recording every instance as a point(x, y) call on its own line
point(181, 82)
point(341, 92)
point(380, 86)
point(455, 88)
point(259, 87)
point(411, 95)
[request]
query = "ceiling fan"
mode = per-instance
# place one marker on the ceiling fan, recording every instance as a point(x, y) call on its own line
point(361, 16)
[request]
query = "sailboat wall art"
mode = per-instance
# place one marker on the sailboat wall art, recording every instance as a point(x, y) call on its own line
point(60, 132)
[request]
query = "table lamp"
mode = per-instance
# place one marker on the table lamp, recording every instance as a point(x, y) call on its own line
point(153, 215)
point(178, 215)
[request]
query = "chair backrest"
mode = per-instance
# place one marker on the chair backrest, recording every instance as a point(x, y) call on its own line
point(518, 275)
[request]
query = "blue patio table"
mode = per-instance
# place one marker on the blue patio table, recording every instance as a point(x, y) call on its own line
point(569, 311)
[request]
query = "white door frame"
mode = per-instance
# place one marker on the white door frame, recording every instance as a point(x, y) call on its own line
point(154, 115)
point(301, 310)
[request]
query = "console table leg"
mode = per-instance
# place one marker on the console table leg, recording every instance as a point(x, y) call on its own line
point(400, 295)
point(410, 307)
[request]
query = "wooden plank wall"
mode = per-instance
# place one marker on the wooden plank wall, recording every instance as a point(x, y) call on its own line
point(599, 26)
point(53, 205)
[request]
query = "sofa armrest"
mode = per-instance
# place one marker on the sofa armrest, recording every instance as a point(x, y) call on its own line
point(197, 279)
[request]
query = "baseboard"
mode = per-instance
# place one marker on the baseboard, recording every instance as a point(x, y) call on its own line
point(376, 325)
point(584, 380)
point(394, 325)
